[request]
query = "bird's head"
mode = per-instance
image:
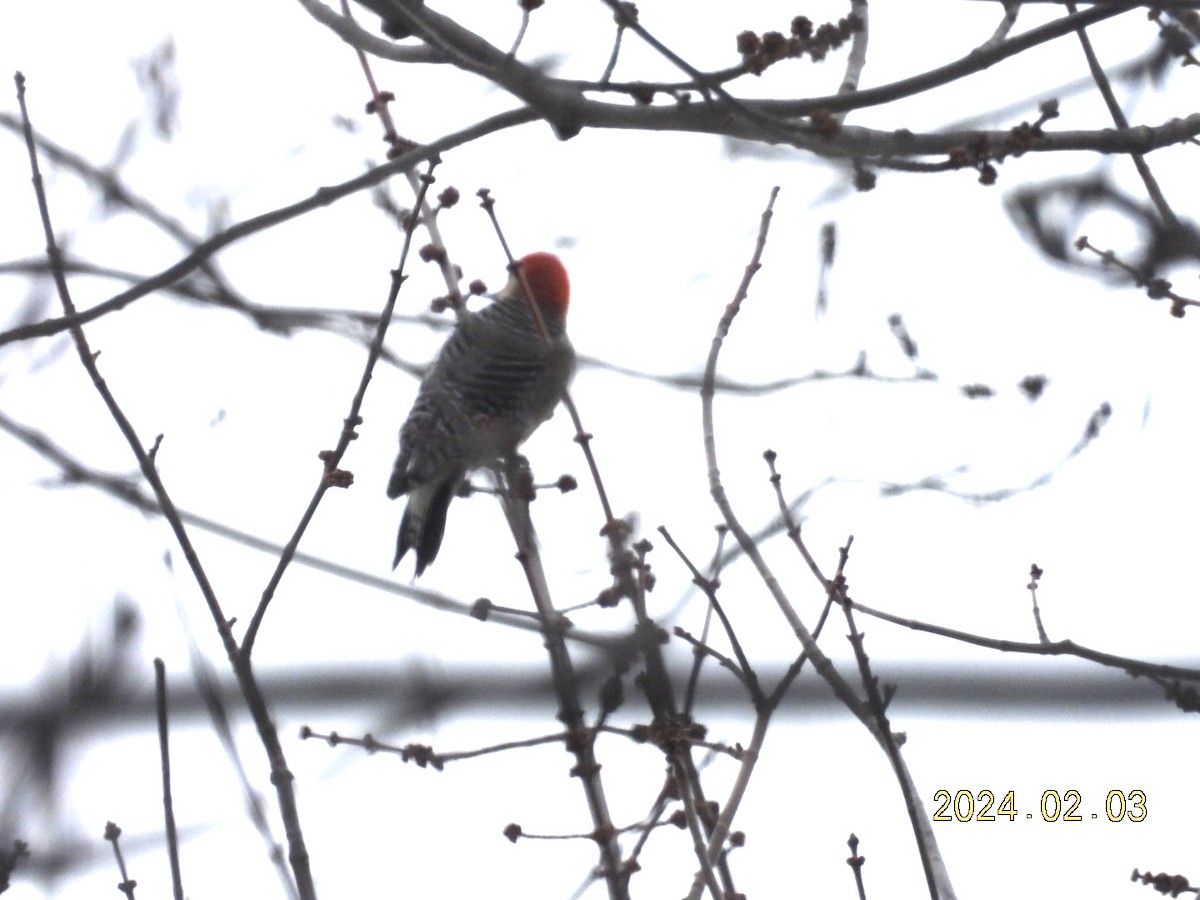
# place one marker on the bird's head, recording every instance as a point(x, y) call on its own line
point(548, 280)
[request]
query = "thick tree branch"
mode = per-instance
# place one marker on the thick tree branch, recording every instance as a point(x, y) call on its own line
point(563, 102)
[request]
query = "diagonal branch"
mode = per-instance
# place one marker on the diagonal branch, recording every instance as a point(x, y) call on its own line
point(281, 776)
point(322, 197)
point(1118, 116)
point(331, 475)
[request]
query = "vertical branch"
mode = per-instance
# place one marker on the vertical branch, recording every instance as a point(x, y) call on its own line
point(1035, 575)
point(164, 752)
point(516, 490)
point(856, 59)
point(877, 702)
point(112, 834)
point(515, 484)
point(749, 759)
point(820, 661)
point(855, 862)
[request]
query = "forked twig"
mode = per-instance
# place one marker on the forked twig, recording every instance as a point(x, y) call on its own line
point(937, 878)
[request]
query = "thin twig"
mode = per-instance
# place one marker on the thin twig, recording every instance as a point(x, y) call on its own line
point(878, 702)
point(705, 876)
point(712, 93)
point(1118, 116)
point(700, 650)
point(855, 862)
point(721, 828)
point(793, 532)
point(1135, 667)
point(520, 32)
point(606, 75)
point(744, 669)
point(659, 690)
point(361, 39)
point(1155, 288)
point(1011, 9)
point(1034, 575)
point(112, 834)
point(425, 756)
point(856, 59)
point(164, 754)
point(690, 691)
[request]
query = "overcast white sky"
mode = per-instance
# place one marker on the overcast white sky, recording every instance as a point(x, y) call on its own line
point(655, 230)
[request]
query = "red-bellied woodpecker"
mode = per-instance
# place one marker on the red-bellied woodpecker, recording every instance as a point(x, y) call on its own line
point(496, 379)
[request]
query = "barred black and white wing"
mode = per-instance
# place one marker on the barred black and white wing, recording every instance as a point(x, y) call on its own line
point(494, 382)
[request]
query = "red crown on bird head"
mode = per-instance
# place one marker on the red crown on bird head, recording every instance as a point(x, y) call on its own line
point(548, 280)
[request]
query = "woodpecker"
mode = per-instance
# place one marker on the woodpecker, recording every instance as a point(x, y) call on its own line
point(496, 379)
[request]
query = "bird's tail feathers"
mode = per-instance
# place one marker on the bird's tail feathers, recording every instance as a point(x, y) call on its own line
point(424, 522)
